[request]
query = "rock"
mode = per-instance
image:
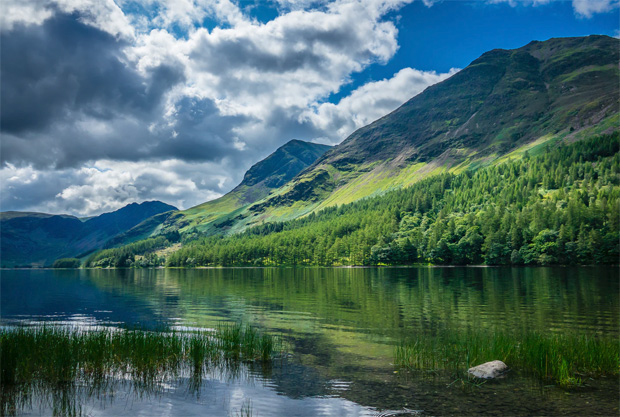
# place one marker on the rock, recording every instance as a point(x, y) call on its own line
point(488, 370)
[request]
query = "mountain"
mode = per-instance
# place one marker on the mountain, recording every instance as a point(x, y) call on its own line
point(38, 239)
point(503, 104)
point(216, 215)
point(258, 182)
point(506, 105)
point(557, 207)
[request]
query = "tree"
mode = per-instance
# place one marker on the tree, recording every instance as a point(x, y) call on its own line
point(67, 263)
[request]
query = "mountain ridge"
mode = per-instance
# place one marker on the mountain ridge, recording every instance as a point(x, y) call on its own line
point(31, 238)
point(506, 104)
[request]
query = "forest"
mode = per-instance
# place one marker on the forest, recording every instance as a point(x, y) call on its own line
point(559, 207)
point(125, 256)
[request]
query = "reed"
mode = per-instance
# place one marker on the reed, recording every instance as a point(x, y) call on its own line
point(561, 358)
point(57, 361)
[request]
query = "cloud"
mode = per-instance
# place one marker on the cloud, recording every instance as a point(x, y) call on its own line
point(372, 101)
point(587, 8)
point(85, 91)
point(104, 15)
point(63, 66)
point(109, 185)
point(103, 107)
point(290, 61)
point(14, 12)
point(583, 8)
point(69, 95)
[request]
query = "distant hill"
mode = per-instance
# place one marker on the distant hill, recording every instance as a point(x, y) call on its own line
point(38, 239)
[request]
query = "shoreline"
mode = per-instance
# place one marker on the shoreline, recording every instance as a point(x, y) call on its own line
point(310, 267)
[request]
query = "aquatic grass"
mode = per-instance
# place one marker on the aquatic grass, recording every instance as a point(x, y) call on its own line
point(560, 358)
point(57, 362)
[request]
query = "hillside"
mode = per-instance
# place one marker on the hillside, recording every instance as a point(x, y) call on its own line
point(502, 104)
point(218, 215)
point(258, 182)
point(38, 238)
point(559, 207)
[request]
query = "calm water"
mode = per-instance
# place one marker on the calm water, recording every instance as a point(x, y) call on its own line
point(341, 325)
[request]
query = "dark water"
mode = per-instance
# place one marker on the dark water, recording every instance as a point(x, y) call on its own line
point(341, 325)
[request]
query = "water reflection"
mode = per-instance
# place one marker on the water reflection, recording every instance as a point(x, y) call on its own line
point(218, 392)
point(341, 325)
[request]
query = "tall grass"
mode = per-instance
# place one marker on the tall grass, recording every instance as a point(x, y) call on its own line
point(562, 359)
point(55, 361)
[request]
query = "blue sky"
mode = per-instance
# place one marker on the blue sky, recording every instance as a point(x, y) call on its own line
point(109, 102)
point(451, 34)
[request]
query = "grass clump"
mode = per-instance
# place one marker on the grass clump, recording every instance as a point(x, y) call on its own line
point(560, 358)
point(58, 362)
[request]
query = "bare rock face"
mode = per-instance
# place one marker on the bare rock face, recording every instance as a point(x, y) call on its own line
point(488, 370)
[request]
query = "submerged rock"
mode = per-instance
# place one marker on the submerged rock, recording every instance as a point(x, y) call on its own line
point(488, 370)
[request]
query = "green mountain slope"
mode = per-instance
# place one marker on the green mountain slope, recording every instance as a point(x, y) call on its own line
point(560, 207)
point(218, 215)
point(260, 180)
point(503, 103)
point(39, 239)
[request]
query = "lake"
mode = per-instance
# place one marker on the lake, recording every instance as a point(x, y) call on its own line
point(341, 326)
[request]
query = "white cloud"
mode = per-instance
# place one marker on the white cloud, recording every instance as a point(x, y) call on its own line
point(210, 104)
point(18, 11)
point(164, 14)
point(102, 14)
point(290, 61)
point(109, 185)
point(372, 101)
point(587, 8)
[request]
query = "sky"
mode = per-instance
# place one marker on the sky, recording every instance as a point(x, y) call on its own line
point(109, 102)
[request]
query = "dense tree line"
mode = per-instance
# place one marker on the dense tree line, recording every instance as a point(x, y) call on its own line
point(66, 263)
point(559, 207)
point(137, 254)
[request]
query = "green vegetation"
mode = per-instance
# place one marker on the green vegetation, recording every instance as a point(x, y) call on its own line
point(67, 263)
point(559, 207)
point(57, 362)
point(125, 257)
point(561, 358)
point(217, 216)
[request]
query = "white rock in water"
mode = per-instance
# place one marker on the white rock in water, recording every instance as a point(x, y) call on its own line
point(488, 370)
